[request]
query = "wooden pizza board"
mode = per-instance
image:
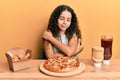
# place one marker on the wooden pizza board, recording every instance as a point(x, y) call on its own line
point(79, 70)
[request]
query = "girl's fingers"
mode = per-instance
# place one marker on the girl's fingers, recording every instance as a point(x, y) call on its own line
point(79, 41)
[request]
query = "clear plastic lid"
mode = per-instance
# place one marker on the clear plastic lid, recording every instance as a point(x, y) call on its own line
point(106, 61)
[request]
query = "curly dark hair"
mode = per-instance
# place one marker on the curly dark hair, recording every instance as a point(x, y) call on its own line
point(53, 22)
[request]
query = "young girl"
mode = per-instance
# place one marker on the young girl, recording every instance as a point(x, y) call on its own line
point(63, 37)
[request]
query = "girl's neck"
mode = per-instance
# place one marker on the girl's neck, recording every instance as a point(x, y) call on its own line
point(62, 32)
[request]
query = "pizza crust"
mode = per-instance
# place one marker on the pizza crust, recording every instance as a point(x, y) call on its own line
point(62, 64)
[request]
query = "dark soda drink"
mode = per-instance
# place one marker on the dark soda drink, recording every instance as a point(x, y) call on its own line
point(106, 43)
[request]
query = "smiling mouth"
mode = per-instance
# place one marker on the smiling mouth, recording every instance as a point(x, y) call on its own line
point(63, 26)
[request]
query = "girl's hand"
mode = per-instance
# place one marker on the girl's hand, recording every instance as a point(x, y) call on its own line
point(47, 34)
point(79, 47)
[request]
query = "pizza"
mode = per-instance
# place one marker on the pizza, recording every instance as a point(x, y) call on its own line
point(62, 64)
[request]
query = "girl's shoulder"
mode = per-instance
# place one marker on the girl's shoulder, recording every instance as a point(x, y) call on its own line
point(74, 34)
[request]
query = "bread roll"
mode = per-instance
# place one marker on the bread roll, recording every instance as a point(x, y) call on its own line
point(20, 56)
point(15, 58)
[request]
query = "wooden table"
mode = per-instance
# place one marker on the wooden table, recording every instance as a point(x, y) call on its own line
point(106, 72)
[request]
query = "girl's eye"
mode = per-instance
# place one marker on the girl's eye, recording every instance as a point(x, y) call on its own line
point(61, 18)
point(69, 20)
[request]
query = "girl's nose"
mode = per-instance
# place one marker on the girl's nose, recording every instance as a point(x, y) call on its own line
point(64, 21)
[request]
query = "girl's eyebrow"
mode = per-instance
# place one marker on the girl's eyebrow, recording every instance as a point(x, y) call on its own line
point(64, 17)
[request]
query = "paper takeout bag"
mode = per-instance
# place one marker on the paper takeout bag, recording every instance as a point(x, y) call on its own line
point(19, 64)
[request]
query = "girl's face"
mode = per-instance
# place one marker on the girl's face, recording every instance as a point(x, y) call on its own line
point(64, 21)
